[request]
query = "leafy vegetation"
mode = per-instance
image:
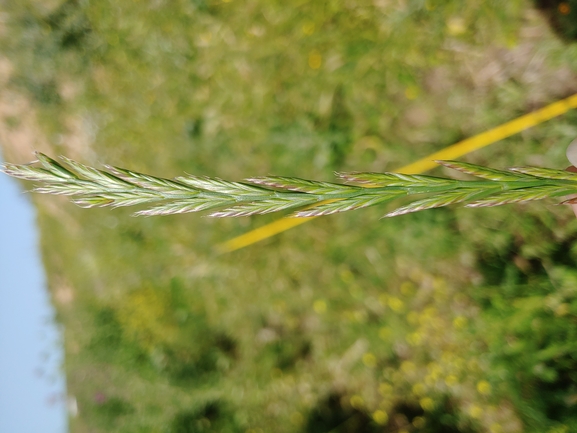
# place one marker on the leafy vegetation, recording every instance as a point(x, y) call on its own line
point(448, 320)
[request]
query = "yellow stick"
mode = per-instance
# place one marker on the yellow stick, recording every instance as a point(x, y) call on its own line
point(452, 152)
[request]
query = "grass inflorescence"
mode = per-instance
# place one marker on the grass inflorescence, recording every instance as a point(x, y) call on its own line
point(117, 187)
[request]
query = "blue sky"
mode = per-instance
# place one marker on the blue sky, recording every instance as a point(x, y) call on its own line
point(32, 386)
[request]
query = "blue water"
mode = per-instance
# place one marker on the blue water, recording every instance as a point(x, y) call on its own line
point(32, 385)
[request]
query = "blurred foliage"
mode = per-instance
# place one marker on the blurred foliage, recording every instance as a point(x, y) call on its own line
point(562, 15)
point(212, 417)
point(453, 320)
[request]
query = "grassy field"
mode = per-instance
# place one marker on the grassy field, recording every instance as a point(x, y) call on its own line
point(452, 320)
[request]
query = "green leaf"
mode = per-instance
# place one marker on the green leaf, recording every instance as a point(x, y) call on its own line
point(523, 195)
point(117, 198)
point(185, 206)
point(97, 176)
point(54, 167)
point(35, 174)
point(395, 179)
point(445, 199)
point(95, 201)
point(483, 172)
point(345, 205)
point(221, 186)
point(260, 207)
point(546, 173)
point(148, 181)
point(303, 185)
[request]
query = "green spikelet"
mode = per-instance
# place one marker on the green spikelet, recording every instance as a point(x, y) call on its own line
point(119, 187)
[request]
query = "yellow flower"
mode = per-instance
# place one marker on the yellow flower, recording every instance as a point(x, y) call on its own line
point(414, 339)
point(459, 322)
point(320, 306)
point(456, 26)
point(357, 401)
point(475, 411)
point(308, 28)
point(370, 360)
point(427, 403)
point(413, 317)
point(407, 367)
point(419, 422)
point(411, 92)
point(385, 333)
point(495, 428)
point(408, 288)
point(451, 380)
point(315, 59)
point(484, 387)
point(418, 389)
point(380, 417)
point(396, 305)
point(385, 389)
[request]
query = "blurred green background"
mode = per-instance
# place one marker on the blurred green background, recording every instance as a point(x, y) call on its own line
point(451, 320)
